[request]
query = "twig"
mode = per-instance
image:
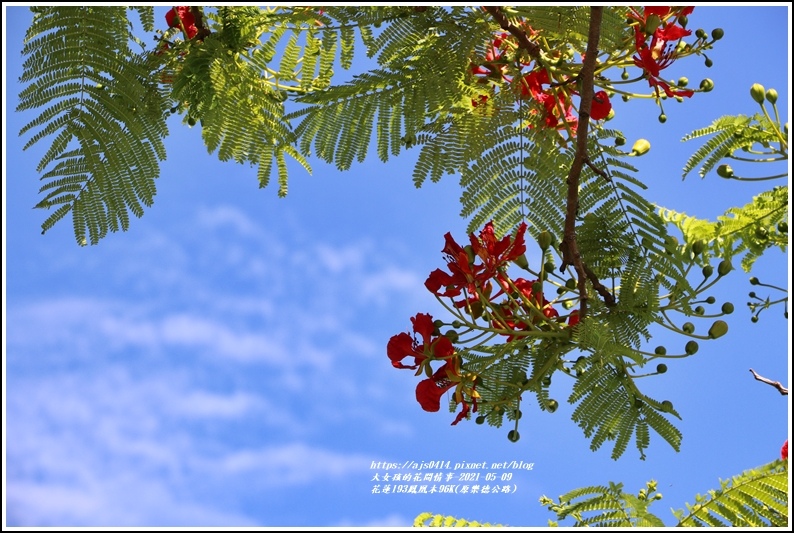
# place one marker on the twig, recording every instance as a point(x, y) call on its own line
point(779, 386)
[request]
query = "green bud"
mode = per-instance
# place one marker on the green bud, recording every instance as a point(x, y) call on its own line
point(620, 141)
point(751, 295)
point(519, 414)
point(711, 300)
point(754, 319)
point(661, 368)
point(552, 406)
point(522, 262)
point(469, 253)
point(698, 247)
point(660, 350)
point(544, 240)
point(771, 95)
point(571, 283)
point(691, 348)
point(699, 310)
point(548, 267)
point(718, 329)
point(706, 85)
point(700, 33)
point(480, 420)
point(637, 403)
point(725, 171)
point(625, 97)
point(689, 328)
point(683, 21)
point(513, 436)
point(724, 267)
point(757, 91)
point(761, 233)
point(624, 75)
point(641, 147)
point(782, 227)
point(708, 270)
point(662, 118)
point(754, 281)
point(545, 381)
point(667, 406)
point(452, 335)
point(708, 62)
point(191, 121)
point(683, 82)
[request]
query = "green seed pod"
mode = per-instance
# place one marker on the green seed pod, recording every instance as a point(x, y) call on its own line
point(724, 267)
point(708, 270)
point(688, 328)
point(544, 240)
point(480, 420)
point(552, 406)
point(725, 171)
point(640, 147)
point(707, 85)
point(661, 368)
point(718, 329)
point(660, 350)
point(691, 348)
point(513, 436)
point(771, 96)
point(757, 91)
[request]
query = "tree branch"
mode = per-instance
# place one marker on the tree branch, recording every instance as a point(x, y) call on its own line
point(779, 386)
point(569, 247)
point(518, 33)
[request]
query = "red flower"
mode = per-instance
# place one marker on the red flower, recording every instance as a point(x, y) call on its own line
point(601, 106)
point(404, 345)
point(495, 254)
point(186, 18)
point(784, 451)
point(430, 390)
point(573, 318)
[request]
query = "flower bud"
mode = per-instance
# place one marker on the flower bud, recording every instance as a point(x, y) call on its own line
point(660, 350)
point(699, 310)
point(521, 261)
point(620, 141)
point(698, 247)
point(683, 82)
point(717, 34)
point(757, 91)
point(641, 147)
point(544, 240)
point(725, 171)
point(754, 281)
point(706, 85)
point(700, 33)
point(513, 436)
point(479, 420)
point(708, 270)
point(782, 226)
point(724, 267)
point(771, 95)
point(708, 62)
point(624, 75)
point(667, 406)
point(689, 328)
point(691, 348)
point(661, 368)
point(718, 329)
point(552, 406)
point(711, 300)
point(662, 118)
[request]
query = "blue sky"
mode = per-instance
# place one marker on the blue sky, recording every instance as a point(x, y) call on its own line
point(223, 362)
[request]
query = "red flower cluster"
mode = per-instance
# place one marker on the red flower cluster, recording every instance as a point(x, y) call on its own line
point(660, 53)
point(784, 451)
point(183, 14)
point(429, 390)
point(556, 104)
point(464, 274)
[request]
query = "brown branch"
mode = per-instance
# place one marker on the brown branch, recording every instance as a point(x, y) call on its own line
point(596, 169)
point(779, 386)
point(520, 35)
point(609, 299)
point(203, 31)
point(569, 247)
